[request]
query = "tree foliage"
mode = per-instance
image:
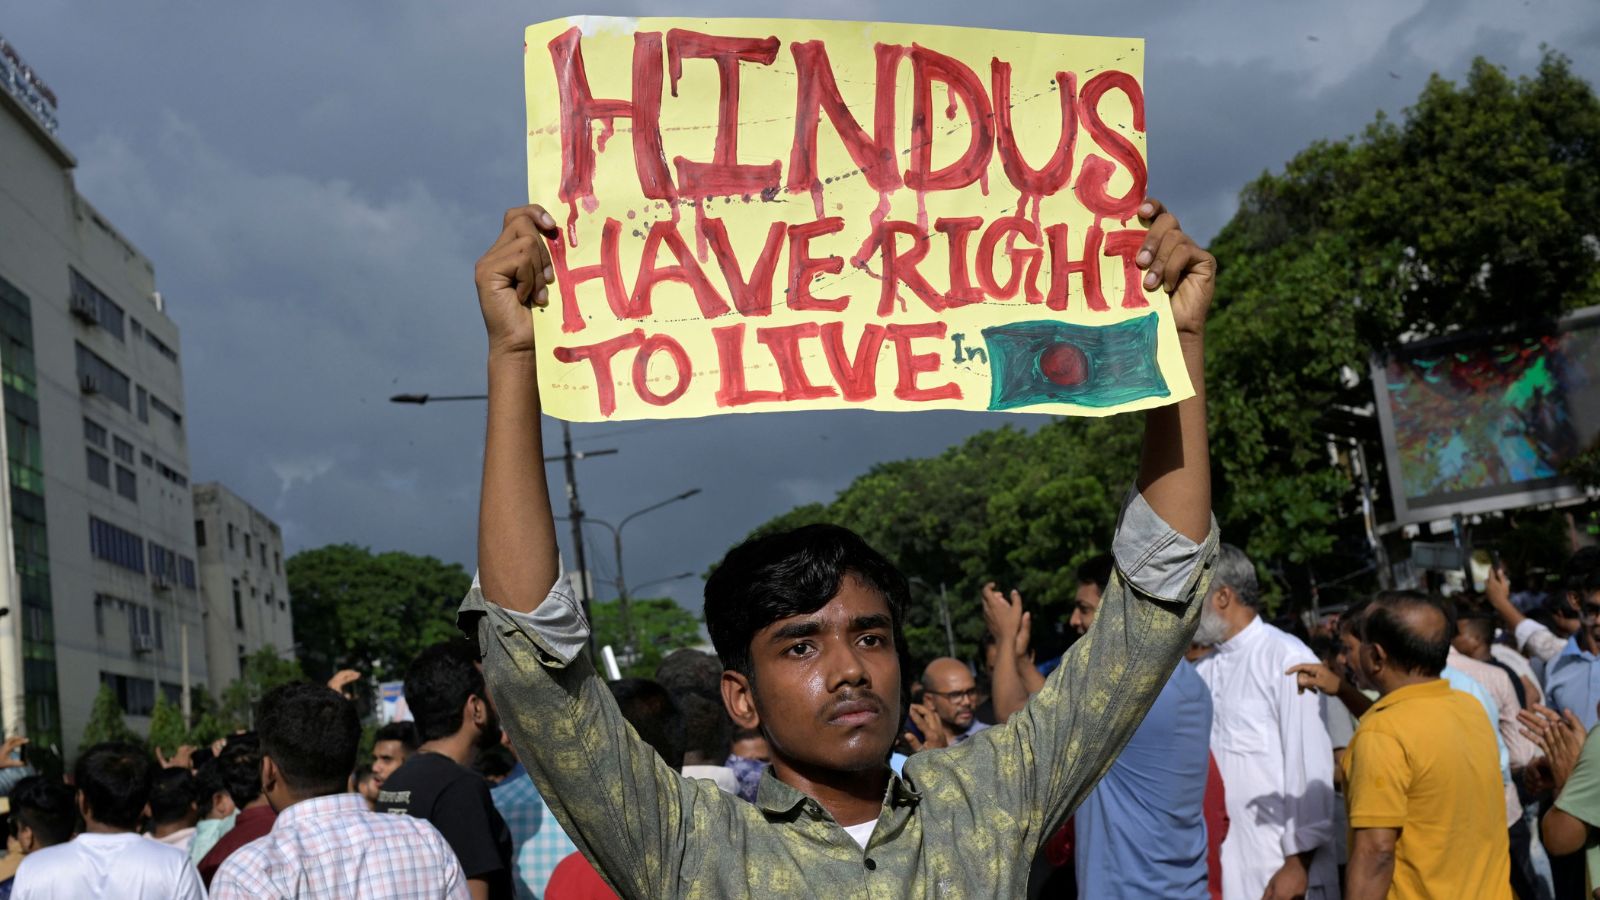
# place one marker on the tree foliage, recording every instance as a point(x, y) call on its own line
point(106, 722)
point(370, 611)
point(167, 730)
point(660, 626)
point(1472, 211)
point(263, 671)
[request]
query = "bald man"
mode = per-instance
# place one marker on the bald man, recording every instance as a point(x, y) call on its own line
point(1422, 774)
point(953, 695)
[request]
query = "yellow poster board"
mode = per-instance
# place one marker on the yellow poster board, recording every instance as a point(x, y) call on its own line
point(767, 214)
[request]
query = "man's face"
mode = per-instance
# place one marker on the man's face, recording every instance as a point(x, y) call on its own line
point(1084, 606)
point(752, 747)
point(1589, 614)
point(952, 694)
point(826, 685)
point(386, 757)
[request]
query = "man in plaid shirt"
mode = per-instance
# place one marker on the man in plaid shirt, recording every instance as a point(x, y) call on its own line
point(540, 843)
point(325, 842)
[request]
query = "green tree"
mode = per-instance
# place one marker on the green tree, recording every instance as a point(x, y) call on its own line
point(206, 729)
point(105, 721)
point(167, 730)
point(263, 671)
point(660, 626)
point(370, 611)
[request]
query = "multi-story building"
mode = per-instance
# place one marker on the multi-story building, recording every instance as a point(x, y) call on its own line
point(102, 586)
point(242, 581)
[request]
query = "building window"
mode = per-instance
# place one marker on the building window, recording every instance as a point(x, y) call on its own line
point(138, 330)
point(144, 406)
point(122, 449)
point(92, 305)
point(230, 535)
point(263, 546)
point(136, 696)
point(186, 575)
point(127, 483)
point(94, 432)
point(96, 376)
point(238, 606)
point(162, 408)
point(99, 468)
point(144, 458)
point(115, 545)
point(247, 546)
point(161, 347)
point(199, 532)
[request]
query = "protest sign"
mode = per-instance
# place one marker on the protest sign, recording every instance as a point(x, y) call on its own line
point(769, 214)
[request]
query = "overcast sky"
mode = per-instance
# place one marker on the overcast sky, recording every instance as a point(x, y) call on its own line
point(313, 181)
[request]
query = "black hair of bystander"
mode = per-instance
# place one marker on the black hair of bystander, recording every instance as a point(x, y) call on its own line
point(114, 778)
point(312, 734)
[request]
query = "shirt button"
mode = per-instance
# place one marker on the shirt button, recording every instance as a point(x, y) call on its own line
point(871, 864)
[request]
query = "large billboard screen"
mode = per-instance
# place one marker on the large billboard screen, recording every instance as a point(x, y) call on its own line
point(1480, 422)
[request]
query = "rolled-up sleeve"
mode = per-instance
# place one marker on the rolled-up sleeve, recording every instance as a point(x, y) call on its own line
point(557, 627)
point(1151, 554)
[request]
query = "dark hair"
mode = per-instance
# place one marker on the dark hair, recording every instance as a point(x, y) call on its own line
point(691, 672)
point(793, 573)
point(239, 771)
point(650, 709)
point(404, 732)
point(707, 729)
point(1324, 646)
point(207, 782)
point(1385, 626)
point(1480, 622)
point(1581, 574)
point(114, 778)
point(1096, 571)
point(494, 762)
point(173, 796)
point(47, 807)
point(1350, 620)
point(311, 733)
point(438, 684)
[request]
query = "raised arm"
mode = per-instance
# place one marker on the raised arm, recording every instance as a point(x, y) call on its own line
point(517, 557)
point(1175, 468)
point(1063, 739)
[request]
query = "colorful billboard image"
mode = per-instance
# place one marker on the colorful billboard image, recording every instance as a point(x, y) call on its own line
point(1479, 423)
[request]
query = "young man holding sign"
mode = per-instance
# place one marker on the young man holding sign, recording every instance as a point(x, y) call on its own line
point(808, 625)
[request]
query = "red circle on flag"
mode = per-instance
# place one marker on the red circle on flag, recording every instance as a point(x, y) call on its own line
point(1065, 365)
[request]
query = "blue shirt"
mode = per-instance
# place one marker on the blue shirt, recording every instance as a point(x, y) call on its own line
point(538, 841)
point(1572, 681)
point(1142, 831)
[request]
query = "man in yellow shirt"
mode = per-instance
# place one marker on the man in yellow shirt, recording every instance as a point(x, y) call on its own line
point(1422, 773)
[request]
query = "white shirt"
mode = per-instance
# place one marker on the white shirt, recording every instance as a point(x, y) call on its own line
point(861, 833)
point(123, 866)
point(1535, 639)
point(1276, 762)
point(721, 776)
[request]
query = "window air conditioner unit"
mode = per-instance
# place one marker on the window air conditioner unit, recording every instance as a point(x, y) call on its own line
point(161, 583)
point(144, 643)
point(89, 384)
point(83, 306)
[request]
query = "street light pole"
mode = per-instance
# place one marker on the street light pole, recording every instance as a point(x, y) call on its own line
point(574, 507)
point(624, 611)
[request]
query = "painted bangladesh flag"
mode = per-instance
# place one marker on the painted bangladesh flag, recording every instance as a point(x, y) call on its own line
point(1088, 365)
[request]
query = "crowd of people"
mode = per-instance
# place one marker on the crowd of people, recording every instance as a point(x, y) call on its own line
point(1182, 747)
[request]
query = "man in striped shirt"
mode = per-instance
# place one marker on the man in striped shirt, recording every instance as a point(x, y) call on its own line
point(325, 842)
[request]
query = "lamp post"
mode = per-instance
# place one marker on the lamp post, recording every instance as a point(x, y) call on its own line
point(568, 458)
point(623, 610)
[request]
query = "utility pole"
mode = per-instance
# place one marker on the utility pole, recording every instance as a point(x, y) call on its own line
point(574, 508)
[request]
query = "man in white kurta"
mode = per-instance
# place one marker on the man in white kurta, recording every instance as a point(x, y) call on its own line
point(1270, 743)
